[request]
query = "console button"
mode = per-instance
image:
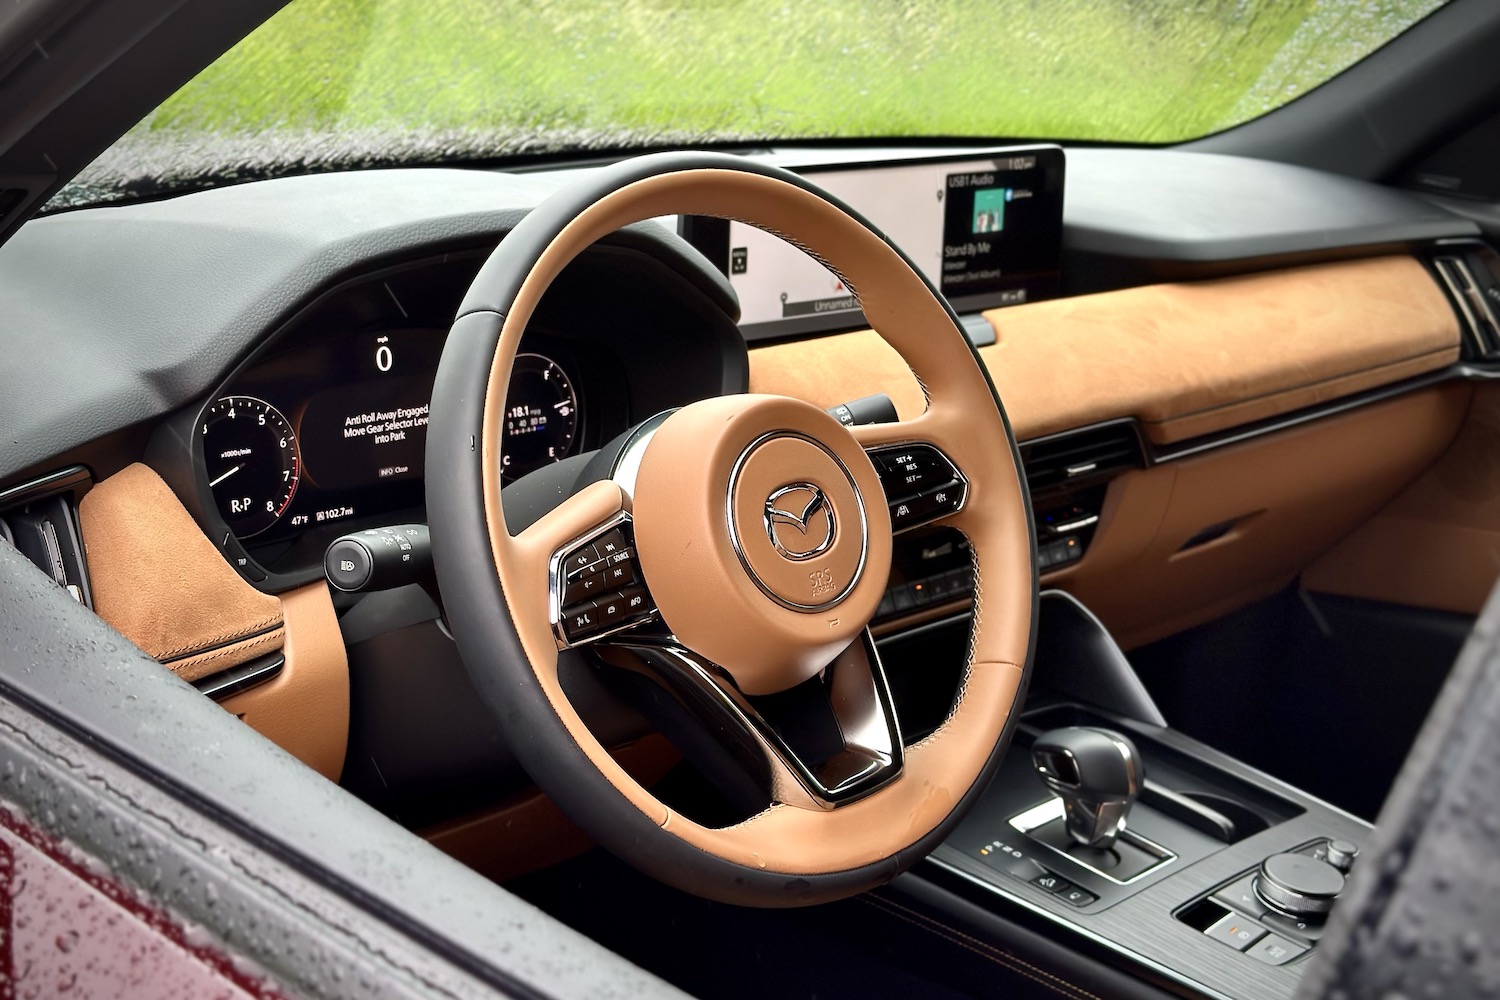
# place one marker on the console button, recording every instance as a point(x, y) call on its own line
point(943, 586)
point(1275, 950)
point(1052, 883)
point(1241, 896)
point(901, 598)
point(1297, 885)
point(1341, 854)
point(1307, 930)
point(1077, 897)
point(1236, 931)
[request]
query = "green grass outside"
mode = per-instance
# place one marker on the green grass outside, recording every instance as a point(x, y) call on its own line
point(1133, 70)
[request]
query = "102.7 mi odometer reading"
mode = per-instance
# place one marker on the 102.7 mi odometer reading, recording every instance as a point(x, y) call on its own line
point(252, 461)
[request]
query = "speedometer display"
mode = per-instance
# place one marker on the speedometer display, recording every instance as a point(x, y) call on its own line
point(541, 416)
point(252, 461)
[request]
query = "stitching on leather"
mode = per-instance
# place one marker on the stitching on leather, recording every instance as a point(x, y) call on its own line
point(1301, 386)
point(799, 245)
point(184, 662)
point(205, 645)
point(984, 950)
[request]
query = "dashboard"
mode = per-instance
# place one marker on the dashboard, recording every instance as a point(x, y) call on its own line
point(1158, 332)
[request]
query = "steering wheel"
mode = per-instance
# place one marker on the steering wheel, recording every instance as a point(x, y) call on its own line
point(736, 552)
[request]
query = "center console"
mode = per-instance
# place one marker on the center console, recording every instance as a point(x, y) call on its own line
point(1145, 848)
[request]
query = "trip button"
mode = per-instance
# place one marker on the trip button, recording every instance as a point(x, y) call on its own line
point(242, 562)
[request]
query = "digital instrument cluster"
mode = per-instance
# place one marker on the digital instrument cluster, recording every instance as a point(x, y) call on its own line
point(337, 430)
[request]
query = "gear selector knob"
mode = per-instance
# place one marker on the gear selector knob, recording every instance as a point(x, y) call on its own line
point(1097, 773)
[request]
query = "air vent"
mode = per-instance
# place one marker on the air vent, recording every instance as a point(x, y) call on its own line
point(1081, 458)
point(1476, 299)
point(40, 519)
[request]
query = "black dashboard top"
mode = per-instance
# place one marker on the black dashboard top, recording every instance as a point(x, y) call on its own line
point(1171, 207)
point(145, 308)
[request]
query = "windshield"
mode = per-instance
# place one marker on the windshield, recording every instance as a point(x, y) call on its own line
point(333, 84)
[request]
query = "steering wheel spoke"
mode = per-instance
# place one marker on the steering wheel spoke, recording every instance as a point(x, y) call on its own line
point(829, 741)
point(595, 587)
point(922, 484)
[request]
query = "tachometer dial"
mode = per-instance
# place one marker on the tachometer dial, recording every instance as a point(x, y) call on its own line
point(541, 416)
point(252, 460)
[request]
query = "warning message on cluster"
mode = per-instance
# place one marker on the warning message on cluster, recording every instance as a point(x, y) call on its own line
point(364, 433)
point(386, 426)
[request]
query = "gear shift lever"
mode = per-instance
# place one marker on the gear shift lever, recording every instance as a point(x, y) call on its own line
point(1097, 773)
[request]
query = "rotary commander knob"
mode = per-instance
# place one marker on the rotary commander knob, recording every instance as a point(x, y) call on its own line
point(1298, 885)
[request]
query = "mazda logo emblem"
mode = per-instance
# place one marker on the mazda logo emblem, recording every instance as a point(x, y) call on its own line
point(799, 521)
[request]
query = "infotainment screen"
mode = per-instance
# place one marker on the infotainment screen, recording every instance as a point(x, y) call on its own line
point(984, 227)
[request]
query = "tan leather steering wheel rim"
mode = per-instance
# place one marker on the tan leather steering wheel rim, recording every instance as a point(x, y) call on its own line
point(786, 854)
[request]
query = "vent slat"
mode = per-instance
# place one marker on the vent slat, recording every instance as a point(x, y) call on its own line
point(1083, 457)
point(1472, 303)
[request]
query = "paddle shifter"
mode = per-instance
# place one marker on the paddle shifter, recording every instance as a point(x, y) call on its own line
point(1097, 773)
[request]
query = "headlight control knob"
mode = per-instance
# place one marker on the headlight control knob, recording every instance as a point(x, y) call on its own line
point(1298, 885)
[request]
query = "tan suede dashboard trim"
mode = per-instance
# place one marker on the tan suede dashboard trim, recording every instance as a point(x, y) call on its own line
point(158, 579)
point(1186, 359)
